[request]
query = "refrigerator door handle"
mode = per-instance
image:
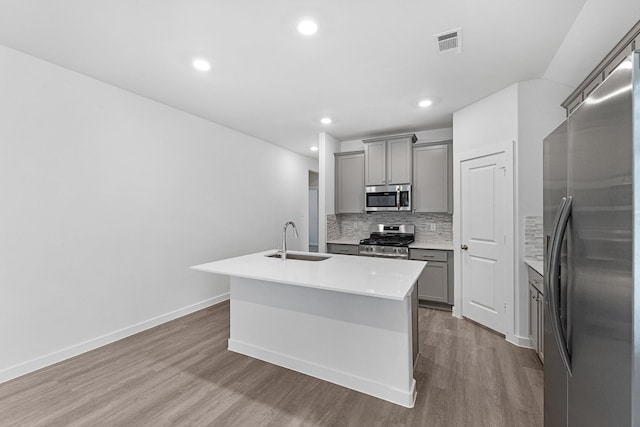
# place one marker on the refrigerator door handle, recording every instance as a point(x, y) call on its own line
point(552, 278)
point(552, 239)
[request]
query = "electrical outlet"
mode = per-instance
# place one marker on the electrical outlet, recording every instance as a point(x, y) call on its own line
point(431, 226)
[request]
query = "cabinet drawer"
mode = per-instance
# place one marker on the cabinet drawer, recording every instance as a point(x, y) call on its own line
point(428, 255)
point(336, 248)
point(535, 279)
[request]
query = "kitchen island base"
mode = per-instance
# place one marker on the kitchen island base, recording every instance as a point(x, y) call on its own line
point(360, 342)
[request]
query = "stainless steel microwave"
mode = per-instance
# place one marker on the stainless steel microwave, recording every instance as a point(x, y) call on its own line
point(387, 198)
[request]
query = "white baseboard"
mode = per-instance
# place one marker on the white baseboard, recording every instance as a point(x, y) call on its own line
point(404, 398)
point(519, 341)
point(74, 350)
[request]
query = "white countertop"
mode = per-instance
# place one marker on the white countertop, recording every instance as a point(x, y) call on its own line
point(376, 277)
point(536, 265)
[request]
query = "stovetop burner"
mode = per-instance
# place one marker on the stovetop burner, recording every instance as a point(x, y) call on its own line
point(391, 241)
point(388, 240)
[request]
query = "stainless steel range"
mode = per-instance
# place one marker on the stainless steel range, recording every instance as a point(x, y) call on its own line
point(388, 241)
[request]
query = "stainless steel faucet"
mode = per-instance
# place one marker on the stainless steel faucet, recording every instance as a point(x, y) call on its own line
point(283, 255)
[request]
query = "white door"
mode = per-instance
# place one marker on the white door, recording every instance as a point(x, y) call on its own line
point(483, 213)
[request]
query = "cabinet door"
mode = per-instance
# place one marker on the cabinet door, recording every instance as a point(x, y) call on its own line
point(431, 171)
point(376, 163)
point(399, 154)
point(344, 249)
point(533, 317)
point(432, 283)
point(541, 326)
point(350, 183)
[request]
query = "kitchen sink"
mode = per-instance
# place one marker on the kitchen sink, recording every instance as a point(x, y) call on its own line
point(300, 257)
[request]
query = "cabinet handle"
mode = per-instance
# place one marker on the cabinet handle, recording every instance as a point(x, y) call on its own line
point(464, 247)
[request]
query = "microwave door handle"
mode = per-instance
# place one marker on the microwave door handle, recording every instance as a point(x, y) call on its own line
point(398, 197)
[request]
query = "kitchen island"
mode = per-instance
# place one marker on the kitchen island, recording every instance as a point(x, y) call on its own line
point(346, 319)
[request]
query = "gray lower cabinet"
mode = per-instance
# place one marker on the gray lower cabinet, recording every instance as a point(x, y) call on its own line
point(536, 312)
point(342, 249)
point(350, 182)
point(436, 281)
point(534, 318)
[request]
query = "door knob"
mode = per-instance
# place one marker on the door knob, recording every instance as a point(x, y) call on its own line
point(464, 247)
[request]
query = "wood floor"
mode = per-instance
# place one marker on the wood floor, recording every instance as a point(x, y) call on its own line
point(180, 373)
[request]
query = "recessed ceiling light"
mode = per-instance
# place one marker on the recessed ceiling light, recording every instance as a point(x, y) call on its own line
point(326, 120)
point(314, 148)
point(308, 27)
point(425, 103)
point(201, 64)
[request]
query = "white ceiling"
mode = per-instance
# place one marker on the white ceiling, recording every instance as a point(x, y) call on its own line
point(367, 67)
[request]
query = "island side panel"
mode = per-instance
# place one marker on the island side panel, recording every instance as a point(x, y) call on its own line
point(360, 342)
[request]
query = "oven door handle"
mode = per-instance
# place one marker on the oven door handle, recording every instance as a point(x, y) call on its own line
point(379, 255)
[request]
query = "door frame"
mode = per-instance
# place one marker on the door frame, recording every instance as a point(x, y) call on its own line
point(509, 291)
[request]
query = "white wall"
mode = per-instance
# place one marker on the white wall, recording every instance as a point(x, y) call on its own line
point(596, 30)
point(327, 147)
point(524, 113)
point(108, 198)
point(489, 122)
point(539, 113)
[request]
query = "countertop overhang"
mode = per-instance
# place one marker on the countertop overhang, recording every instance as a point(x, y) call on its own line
point(376, 277)
point(536, 265)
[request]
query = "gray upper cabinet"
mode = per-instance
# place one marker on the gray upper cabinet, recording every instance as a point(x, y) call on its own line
point(432, 177)
point(399, 154)
point(388, 160)
point(376, 163)
point(350, 182)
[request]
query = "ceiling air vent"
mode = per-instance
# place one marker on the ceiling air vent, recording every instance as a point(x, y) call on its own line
point(450, 41)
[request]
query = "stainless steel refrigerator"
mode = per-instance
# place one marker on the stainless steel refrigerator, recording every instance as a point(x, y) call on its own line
point(592, 296)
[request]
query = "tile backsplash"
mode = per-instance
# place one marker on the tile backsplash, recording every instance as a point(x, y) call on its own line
point(533, 238)
point(356, 226)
